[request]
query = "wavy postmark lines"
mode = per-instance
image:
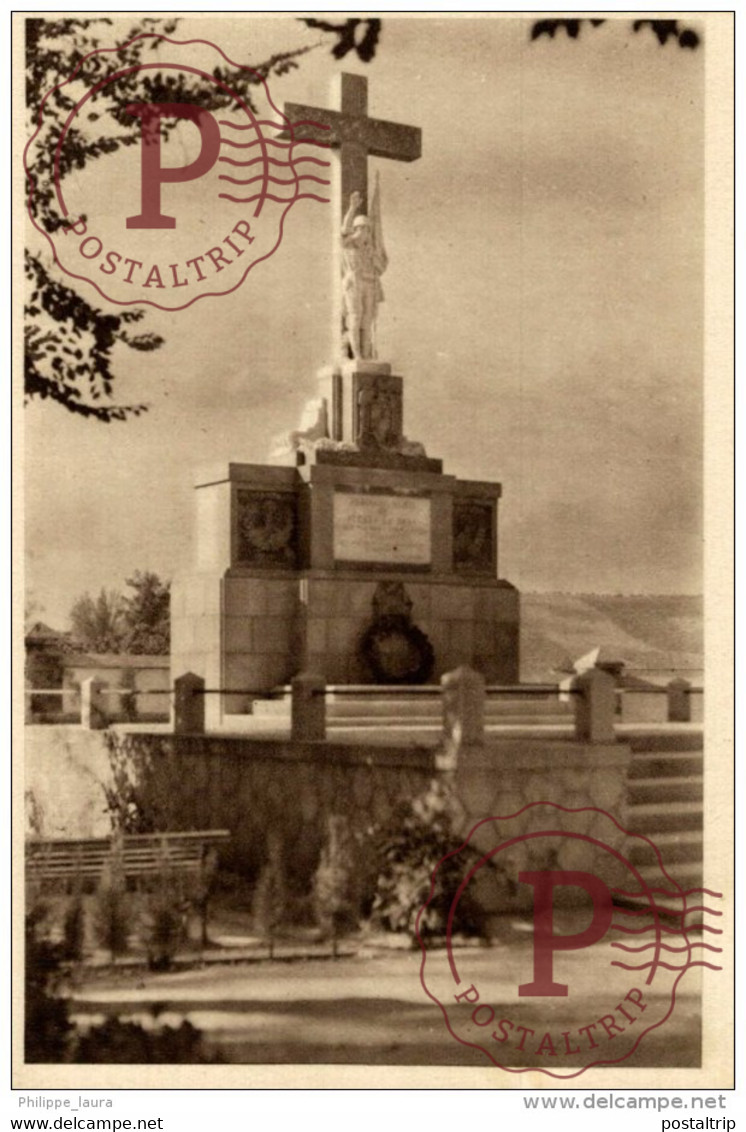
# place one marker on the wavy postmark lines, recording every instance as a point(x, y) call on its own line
point(597, 949)
point(261, 180)
point(193, 179)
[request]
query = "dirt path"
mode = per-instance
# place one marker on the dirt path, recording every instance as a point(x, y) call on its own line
point(370, 1009)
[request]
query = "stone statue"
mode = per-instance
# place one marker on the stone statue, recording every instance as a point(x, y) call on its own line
point(364, 261)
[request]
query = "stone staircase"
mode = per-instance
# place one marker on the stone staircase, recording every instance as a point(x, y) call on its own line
point(665, 803)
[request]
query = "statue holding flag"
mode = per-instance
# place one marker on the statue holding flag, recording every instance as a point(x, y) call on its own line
point(364, 261)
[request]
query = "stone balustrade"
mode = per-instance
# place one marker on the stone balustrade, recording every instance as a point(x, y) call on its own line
point(463, 693)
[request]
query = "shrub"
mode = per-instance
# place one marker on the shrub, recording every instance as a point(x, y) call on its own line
point(50, 1036)
point(115, 1043)
point(270, 894)
point(332, 881)
point(48, 1030)
point(124, 792)
point(419, 837)
point(112, 918)
point(167, 930)
point(73, 930)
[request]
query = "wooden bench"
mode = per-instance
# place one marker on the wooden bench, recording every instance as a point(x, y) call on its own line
point(132, 856)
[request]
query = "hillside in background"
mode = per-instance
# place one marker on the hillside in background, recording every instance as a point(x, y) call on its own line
point(659, 635)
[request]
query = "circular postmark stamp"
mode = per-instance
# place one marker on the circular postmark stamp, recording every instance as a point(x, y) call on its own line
point(603, 936)
point(201, 169)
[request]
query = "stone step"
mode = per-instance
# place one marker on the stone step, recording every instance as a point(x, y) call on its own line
point(676, 739)
point(402, 736)
point(432, 735)
point(423, 707)
point(674, 789)
point(674, 847)
point(436, 724)
point(688, 874)
point(674, 764)
point(654, 817)
point(432, 707)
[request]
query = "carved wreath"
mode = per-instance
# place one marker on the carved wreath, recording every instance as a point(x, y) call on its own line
point(396, 651)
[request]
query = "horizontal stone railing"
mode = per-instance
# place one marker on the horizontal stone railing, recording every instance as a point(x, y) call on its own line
point(463, 692)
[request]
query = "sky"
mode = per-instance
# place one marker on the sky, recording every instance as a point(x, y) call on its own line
point(544, 304)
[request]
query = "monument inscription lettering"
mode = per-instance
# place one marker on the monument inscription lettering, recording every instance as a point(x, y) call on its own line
point(382, 528)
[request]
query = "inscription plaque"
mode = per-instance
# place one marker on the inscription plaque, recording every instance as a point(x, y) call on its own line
point(382, 529)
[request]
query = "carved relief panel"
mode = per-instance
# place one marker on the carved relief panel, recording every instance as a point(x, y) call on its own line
point(377, 411)
point(267, 529)
point(473, 536)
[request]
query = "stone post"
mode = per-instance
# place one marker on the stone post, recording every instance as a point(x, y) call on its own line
point(463, 708)
point(594, 706)
point(679, 701)
point(188, 712)
point(92, 712)
point(308, 707)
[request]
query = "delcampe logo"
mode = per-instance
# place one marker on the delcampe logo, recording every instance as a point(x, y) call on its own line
point(197, 189)
point(597, 959)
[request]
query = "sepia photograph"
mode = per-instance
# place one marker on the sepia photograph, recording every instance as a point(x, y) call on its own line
point(371, 453)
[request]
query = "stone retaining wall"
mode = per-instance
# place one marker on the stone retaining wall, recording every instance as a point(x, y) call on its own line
point(290, 790)
point(257, 788)
point(507, 777)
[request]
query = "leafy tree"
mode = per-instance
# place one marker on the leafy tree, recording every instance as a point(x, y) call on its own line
point(98, 624)
point(663, 30)
point(70, 341)
point(137, 623)
point(147, 615)
point(360, 36)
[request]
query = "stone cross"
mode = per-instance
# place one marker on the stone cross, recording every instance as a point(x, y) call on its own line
point(356, 136)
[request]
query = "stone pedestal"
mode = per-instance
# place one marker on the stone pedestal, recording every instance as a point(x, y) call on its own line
point(364, 563)
point(188, 713)
point(308, 708)
point(679, 701)
point(367, 403)
point(366, 425)
point(595, 709)
point(93, 715)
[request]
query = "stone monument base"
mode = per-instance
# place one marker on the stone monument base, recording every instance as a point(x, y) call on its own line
point(252, 633)
point(364, 563)
point(358, 574)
